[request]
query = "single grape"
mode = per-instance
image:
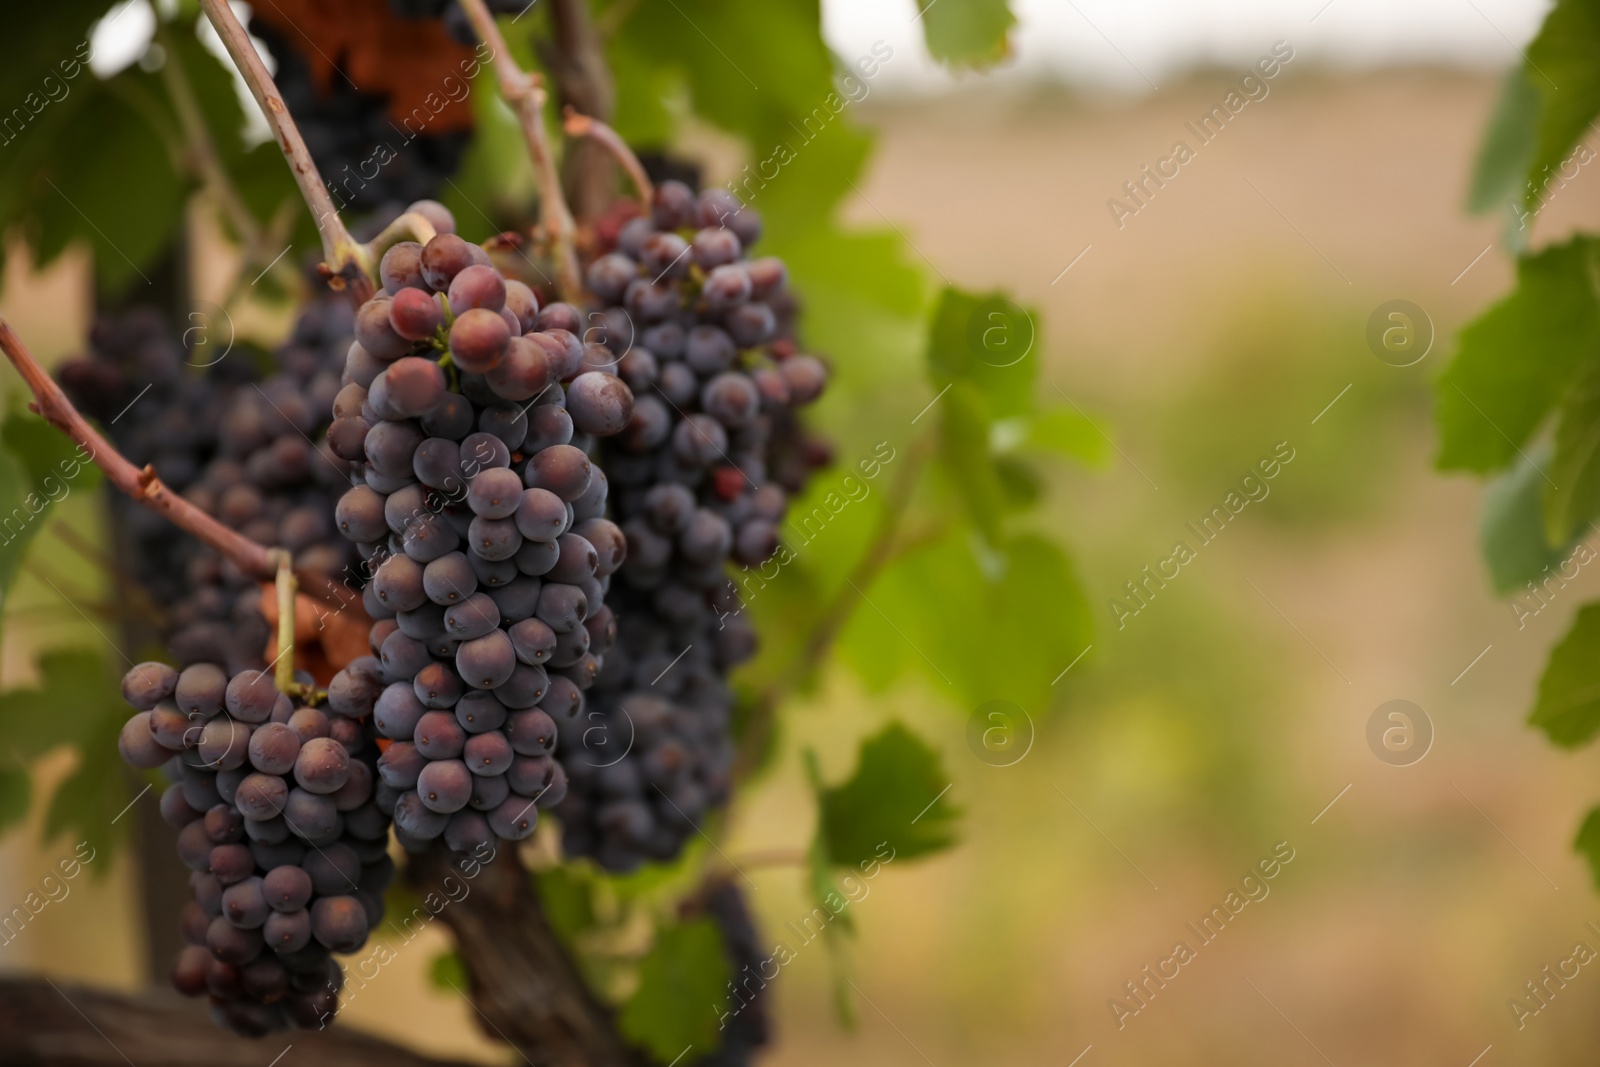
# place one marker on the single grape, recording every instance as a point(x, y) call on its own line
point(478, 340)
point(401, 268)
point(488, 753)
point(477, 287)
point(415, 385)
point(339, 923)
point(415, 314)
point(437, 686)
point(487, 661)
point(323, 766)
point(599, 403)
point(443, 258)
point(445, 785)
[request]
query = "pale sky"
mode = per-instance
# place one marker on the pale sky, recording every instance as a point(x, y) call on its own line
point(1128, 44)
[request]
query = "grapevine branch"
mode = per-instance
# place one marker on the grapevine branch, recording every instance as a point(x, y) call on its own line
point(587, 126)
point(348, 263)
point(576, 61)
point(525, 93)
point(142, 485)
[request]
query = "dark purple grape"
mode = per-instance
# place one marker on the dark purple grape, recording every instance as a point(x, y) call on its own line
point(400, 764)
point(480, 451)
point(339, 923)
point(488, 791)
point(398, 583)
point(805, 377)
point(714, 247)
point(439, 736)
point(608, 276)
point(562, 469)
point(273, 748)
point(731, 398)
point(472, 618)
point(309, 723)
point(563, 348)
point(389, 447)
point(437, 686)
point(323, 765)
point(495, 493)
point(488, 661)
point(577, 561)
point(230, 944)
point(450, 418)
point(375, 333)
point(415, 385)
point(445, 785)
point(727, 288)
point(488, 753)
point(449, 579)
point(673, 207)
point(751, 324)
point(149, 684)
point(533, 639)
point(469, 832)
point(531, 732)
point(244, 904)
point(699, 440)
point(514, 819)
point(521, 302)
point(561, 608)
point(261, 796)
point(599, 403)
point(287, 932)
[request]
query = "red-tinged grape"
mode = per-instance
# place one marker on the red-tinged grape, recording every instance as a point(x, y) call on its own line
point(564, 349)
point(488, 661)
point(415, 314)
point(713, 248)
point(673, 207)
point(478, 340)
point(446, 581)
point(523, 372)
point(436, 213)
point(805, 377)
point(415, 385)
point(443, 258)
point(608, 276)
point(521, 302)
point(477, 287)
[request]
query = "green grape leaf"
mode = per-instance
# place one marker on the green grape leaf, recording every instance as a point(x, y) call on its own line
point(967, 33)
point(1572, 495)
point(1508, 145)
point(1516, 360)
point(1062, 431)
point(51, 458)
point(16, 789)
point(96, 792)
point(446, 971)
point(46, 64)
point(893, 807)
point(1512, 530)
point(1568, 707)
point(1023, 612)
point(65, 707)
point(1564, 64)
point(1587, 843)
point(682, 992)
point(964, 454)
point(989, 342)
point(564, 897)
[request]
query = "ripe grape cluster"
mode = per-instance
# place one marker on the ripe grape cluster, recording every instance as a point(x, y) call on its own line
point(250, 453)
point(481, 521)
point(692, 325)
point(455, 19)
point(279, 826)
point(369, 162)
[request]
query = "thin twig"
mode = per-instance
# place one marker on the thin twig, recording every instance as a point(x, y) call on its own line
point(578, 125)
point(346, 261)
point(285, 662)
point(525, 93)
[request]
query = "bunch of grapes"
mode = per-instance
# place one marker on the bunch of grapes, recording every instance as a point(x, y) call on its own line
point(455, 19)
point(279, 825)
point(368, 160)
point(465, 412)
point(249, 453)
point(692, 326)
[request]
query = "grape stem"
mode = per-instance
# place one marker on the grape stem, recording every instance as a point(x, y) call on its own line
point(412, 226)
point(284, 665)
point(525, 93)
point(140, 484)
point(577, 125)
point(347, 263)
